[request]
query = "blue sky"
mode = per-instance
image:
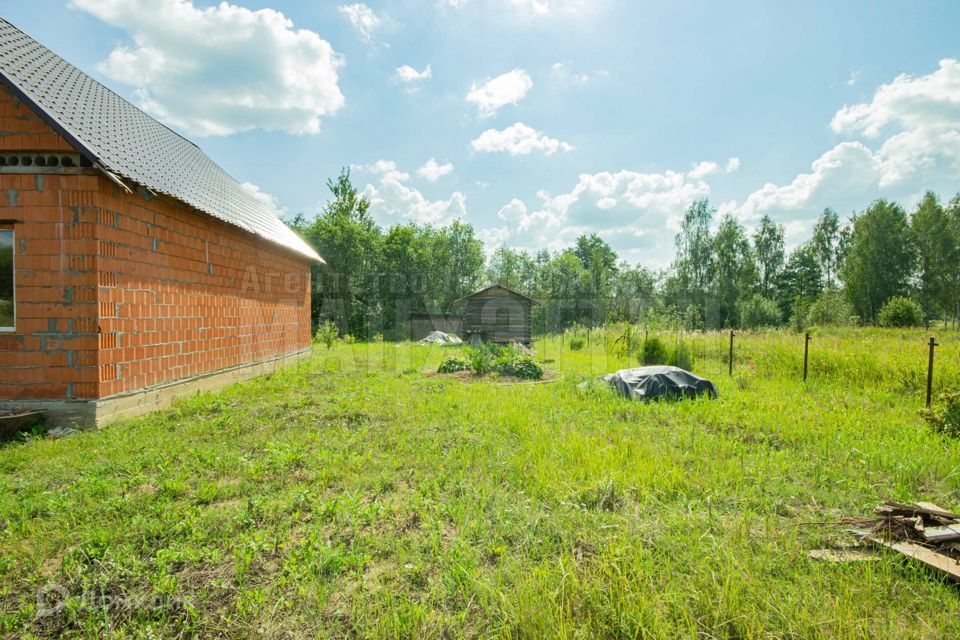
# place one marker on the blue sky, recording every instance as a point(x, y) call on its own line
point(544, 118)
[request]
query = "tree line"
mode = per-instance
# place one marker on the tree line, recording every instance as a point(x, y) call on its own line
point(721, 276)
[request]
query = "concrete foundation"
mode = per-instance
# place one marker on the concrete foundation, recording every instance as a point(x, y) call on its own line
point(88, 414)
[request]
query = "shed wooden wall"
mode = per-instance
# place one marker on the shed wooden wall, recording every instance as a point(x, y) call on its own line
point(497, 316)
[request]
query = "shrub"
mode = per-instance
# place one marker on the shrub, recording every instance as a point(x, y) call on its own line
point(653, 351)
point(900, 312)
point(349, 339)
point(479, 359)
point(682, 356)
point(522, 367)
point(577, 343)
point(629, 341)
point(326, 333)
point(452, 364)
point(757, 311)
point(831, 309)
point(944, 417)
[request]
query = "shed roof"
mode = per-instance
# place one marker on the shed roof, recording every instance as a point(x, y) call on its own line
point(120, 138)
point(491, 288)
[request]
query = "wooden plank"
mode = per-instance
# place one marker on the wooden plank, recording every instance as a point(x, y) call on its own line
point(939, 562)
point(937, 511)
point(920, 508)
point(942, 534)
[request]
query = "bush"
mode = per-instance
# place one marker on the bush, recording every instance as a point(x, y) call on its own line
point(479, 359)
point(577, 343)
point(326, 333)
point(497, 360)
point(629, 341)
point(682, 356)
point(900, 312)
point(944, 417)
point(757, 311)
point(349, 339)
point(452, 364)
point(522, 367)
point(653, 351)
point(831, 309)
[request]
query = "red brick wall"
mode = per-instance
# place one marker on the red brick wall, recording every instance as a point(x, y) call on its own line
point(53, 353)
point(184, 294)
point(116, 292)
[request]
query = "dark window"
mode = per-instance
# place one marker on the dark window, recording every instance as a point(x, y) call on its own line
point(6, 280)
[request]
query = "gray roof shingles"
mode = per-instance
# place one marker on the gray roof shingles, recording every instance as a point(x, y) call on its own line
point(126, 141)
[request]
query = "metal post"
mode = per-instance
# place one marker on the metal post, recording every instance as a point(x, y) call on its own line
point(933, 344)
point(731, 351)
point(806, 355)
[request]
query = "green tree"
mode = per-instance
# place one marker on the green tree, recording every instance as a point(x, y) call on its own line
point(565, 292)
point(512, 269)
point(693, 264)
point(458, 258)
point(734, 272)
point(880, 260)
point(634, 292)
point(769, 251)
point(938, 253)
point(408, 279)
point(801, 281)
point(828, 245)
point(345, 288)
point(953, 280)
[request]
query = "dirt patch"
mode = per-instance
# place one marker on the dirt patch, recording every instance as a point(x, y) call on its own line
point(470, 377)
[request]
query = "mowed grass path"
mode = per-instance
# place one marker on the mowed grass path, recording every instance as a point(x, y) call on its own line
point(360, 495)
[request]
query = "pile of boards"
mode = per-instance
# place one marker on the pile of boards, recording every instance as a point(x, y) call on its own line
point(921, 531)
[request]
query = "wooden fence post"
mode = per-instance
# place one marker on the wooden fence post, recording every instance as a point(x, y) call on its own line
point(806, 354)
point(933, 345)
point(731, 351)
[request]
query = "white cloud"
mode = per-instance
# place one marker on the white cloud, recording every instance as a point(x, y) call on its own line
point(854, 78)
point(494, 93)
point(408, 74)
point(733, 165)
point(915, 120)
point(265, 199)
point(564, 74)
point(531, 8)
point(518, 139)
point(392, 200)
point(279, 78)
point(703, 169)
point(638, 213)
point(362, 17)
point(433, 171)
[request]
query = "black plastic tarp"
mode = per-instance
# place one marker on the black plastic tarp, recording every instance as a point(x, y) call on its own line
point(649, 383)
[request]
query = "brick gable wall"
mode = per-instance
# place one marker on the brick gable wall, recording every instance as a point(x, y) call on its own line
point(117, 292)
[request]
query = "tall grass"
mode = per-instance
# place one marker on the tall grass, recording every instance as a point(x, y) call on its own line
point(361, 495)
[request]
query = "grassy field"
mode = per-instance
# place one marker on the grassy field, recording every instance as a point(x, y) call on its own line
point(362, 495)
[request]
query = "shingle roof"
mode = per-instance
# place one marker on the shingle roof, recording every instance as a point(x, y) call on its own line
point(124, 140)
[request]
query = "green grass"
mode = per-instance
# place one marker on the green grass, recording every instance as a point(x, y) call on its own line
point(363, 495)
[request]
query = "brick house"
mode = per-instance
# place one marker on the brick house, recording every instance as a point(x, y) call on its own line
point(132, 268)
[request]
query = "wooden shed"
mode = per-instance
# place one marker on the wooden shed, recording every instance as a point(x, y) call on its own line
point(496, 314)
